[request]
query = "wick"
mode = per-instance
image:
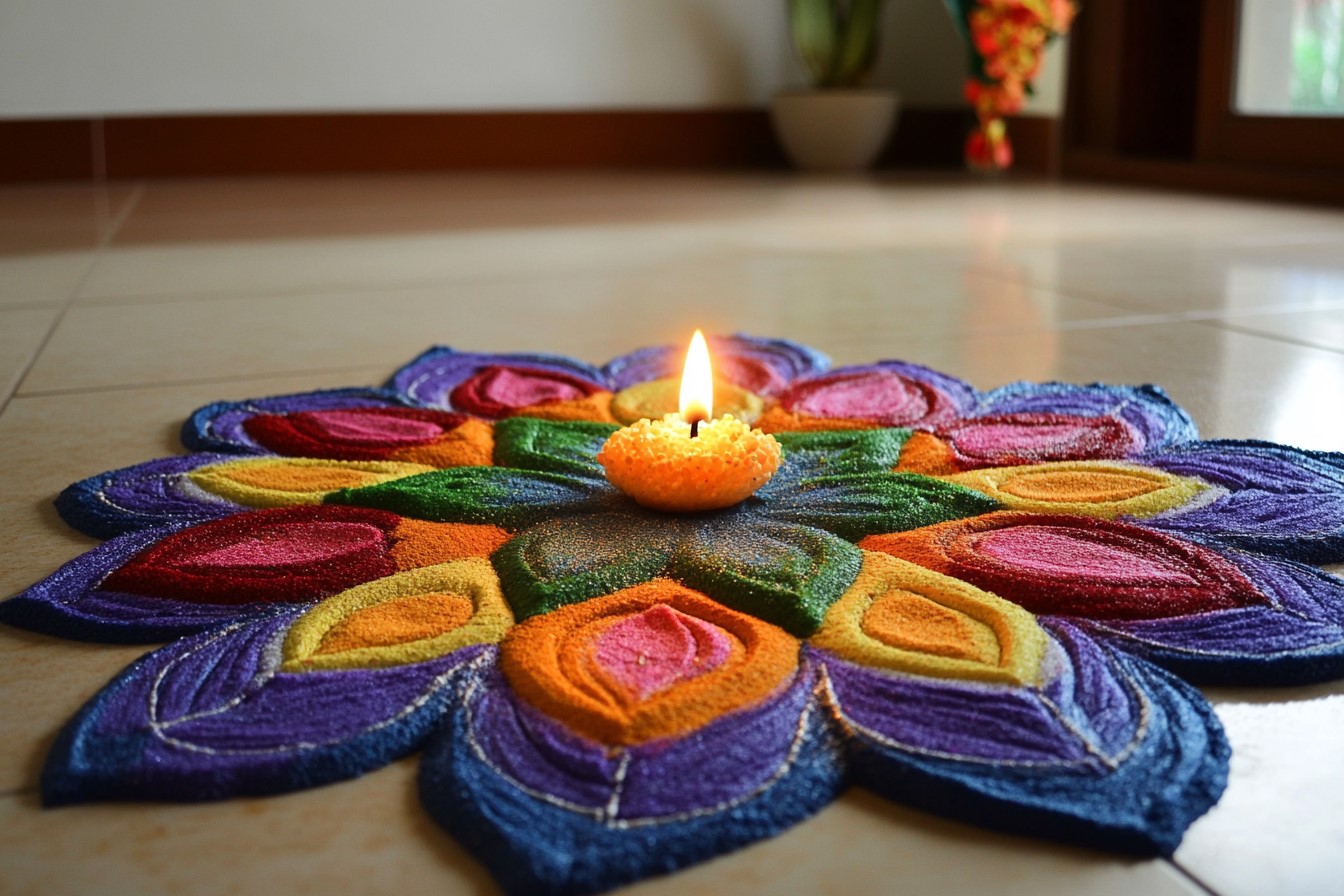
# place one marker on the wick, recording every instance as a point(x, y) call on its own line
point(695, 428)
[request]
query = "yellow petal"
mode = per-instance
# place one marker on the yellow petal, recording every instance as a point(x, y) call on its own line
point(1099, 488)
point(653, 399)
point(286, 481)
point(408, 617)
point(905, 618)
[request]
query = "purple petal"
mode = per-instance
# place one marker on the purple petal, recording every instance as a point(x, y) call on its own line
point(1280, 500)
point(430, 379)
point(156, 493)
point(715, 765)
point(769, 364)
point(958, 719)
point(210, 717)
point(219, 426)
point(1159, 420)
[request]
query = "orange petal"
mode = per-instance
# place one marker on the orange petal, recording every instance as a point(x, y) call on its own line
point(927, 454)
point(417, 543)
point(554, 662)
point(779, 420)
point(595, 408)
point(407, 617)
point(397, 621)
point(470, 445)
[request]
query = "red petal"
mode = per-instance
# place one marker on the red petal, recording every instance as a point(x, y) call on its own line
point(882, 396)
point(1008, 439)
point(288, 555)
point(350, 434)
point(1078, 566)
point(496, 390)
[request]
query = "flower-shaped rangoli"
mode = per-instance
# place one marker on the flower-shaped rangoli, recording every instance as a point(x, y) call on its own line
point(977, 604)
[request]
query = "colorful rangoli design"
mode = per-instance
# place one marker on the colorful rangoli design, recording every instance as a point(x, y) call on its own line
point(984, 605)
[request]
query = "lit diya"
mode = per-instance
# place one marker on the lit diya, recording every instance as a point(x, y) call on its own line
point(688, 461)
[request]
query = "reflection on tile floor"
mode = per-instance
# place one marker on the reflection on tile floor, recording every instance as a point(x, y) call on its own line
point(123, 308)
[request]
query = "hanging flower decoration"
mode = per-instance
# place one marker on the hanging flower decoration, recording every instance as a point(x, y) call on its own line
point(986, 605)
point(1007, 41)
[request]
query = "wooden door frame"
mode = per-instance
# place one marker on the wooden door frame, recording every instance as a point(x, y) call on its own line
point(1112, 120)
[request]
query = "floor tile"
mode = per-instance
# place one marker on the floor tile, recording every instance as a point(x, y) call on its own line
point(1322, 328)
point(239, 288)
point(374, 261)
point(1278, 829)
point(54, 204)
point(369, 835)
point(49, 234)
point(295, 208)
point(1235, 385)
point(21, 334)
point(41, 277)
point(1187, 271)
point(868, 295)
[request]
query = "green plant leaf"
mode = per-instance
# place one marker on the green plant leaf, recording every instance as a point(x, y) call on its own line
point(857, 49)
point(813, 26)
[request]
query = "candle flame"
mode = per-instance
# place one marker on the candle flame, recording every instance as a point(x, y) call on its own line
point(697, 382)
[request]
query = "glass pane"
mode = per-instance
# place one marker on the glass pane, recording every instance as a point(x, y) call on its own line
point(1290, 57)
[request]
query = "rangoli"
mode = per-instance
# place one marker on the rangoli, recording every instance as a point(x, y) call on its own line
point(986, 605)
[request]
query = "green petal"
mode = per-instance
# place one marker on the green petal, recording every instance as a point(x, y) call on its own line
point(567, 561)
point(503, 497)
point(786, 574)
point(834, 452)
point(529, 443)
point(862, 504)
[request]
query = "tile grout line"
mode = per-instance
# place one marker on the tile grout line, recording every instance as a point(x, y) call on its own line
point(113, 227)
point(167, 384)
point(1131, 316)
point(1221, 324)
point(1193, 878)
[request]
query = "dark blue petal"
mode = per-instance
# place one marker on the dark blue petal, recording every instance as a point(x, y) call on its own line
point(1115, 753)
point(550, 813)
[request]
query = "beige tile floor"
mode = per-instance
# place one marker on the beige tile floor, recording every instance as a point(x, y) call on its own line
point(121, 309)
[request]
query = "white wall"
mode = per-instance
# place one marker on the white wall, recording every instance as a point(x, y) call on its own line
point(78, 58)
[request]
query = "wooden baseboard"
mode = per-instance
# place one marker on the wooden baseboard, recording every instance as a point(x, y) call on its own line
point(1316, 187)
point(223, 145)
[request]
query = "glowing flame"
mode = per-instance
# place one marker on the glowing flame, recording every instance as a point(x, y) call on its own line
point(697, 382)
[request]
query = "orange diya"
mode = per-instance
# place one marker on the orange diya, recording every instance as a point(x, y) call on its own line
point(690, 462)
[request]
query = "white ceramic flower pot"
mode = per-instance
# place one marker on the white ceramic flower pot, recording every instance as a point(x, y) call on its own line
point(834, 130)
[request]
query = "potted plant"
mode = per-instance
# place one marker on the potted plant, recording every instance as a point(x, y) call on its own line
point(838, 124)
